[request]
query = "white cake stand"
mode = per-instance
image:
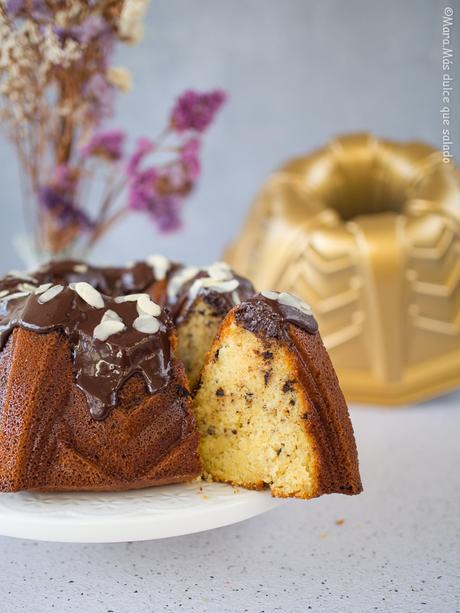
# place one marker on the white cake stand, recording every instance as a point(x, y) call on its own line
point(139, 515)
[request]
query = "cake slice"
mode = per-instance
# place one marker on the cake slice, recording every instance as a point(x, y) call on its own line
point(199, 299)
point(269, 408)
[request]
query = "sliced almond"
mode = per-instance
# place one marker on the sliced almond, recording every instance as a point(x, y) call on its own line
point(146, 324)
point(146, 306)
point(50, 293)
point(296, 303)
point(89, 294)
point(270, 295)
point(160, 264)
point(42, 288)
point(111, 323)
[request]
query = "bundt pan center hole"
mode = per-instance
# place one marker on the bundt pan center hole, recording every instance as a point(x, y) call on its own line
point(360, 190)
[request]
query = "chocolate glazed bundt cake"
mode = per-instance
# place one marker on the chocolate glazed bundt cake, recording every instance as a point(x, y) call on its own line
point(269, 407)
point(99, 366)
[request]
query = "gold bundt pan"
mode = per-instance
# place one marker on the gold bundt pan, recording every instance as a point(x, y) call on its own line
point(368, 232)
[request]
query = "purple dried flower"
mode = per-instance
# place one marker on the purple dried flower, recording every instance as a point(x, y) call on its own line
point(105, 144)
point(37, 8)
point(99, 95)
point(13, 7)
point(144, 146)
point(93, 27)
point(166, 213)
point(58, 198)
point(142, 190)
point(194, 111)
point(65, 179)
point(189, 157)
point(151, 191)
point(62, 208)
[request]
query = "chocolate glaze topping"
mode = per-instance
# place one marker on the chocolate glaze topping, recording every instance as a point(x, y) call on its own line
point(268, 317)
point(178, 297)
point(101, 366)
point(111, 281)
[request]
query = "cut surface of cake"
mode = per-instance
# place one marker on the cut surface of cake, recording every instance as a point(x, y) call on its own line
point(269, 407)
point(199, 299)
point(92, 395)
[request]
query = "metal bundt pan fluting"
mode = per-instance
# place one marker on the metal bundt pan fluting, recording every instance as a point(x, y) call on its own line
point(368, 232)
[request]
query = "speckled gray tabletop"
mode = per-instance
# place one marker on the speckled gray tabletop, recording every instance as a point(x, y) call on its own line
point(394, 548)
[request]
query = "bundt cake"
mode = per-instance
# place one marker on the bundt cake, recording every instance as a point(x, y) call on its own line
point(269, 407)
point(94, 394)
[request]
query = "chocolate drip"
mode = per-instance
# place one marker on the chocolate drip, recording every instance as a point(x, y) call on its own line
point(268, 318)
point(101, 367)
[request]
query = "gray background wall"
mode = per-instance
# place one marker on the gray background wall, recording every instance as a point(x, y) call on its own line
point(298, 72)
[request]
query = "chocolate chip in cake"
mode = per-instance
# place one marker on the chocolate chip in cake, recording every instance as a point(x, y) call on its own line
point(220, 392)
point(216, 355)
point(305, 416)
point(267, 355)
point(182, 391)
point(267, 375)
point(288, 386)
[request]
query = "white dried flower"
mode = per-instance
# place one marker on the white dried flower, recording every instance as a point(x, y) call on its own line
point(130, 24)
point(57, 53)
point(120, 78)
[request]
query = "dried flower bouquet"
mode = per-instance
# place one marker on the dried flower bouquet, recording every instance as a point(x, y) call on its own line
point(57, 88)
